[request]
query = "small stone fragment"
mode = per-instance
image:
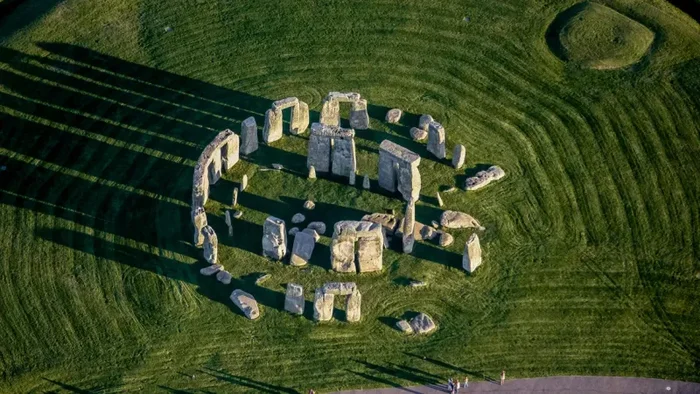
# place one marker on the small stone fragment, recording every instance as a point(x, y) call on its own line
point(277, 166)
point(393, 115)
point(312, 233)
point(424, 121)
point(418, 134)
point(211, 270)
point(483, 178)
point(312, 172)
point(417, 283)
point(244, 182)
point(454, 219)
point(246, 303)
point(427, 233)
point(309, 205)
point(446, 239)
point(262, 279)
point(234, 200)
point(223, 277)
point(439, 199)
point(435, 224)
point(293, 231)
point(404, 327)
point(458, 156)
point(320, 227)
point(365, 182)
point(422, 324)
point(294, 299)
point(298, 218)
point(237, 214)
point(450, 190)
point(471, 260)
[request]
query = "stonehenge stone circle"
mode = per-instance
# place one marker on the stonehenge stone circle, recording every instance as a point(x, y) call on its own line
point(249, 136)
point(302, 249)
point(274, 241)
point(223, 277)
point(393, 115)
point(298, 218)
point(424, 121)
point(454, 219)
point(211, 270)
point(422, 324)
point(459, 154)
point(398, 170)
point(325, 295)
point(483, 178)
point(211, 245)
point(218, 156)
point(332, 149)
point(418, 134)
point(409, 223)
point(199, 219)
point(294, 299)
point(471, 260)
point(330, 110)
point(320, 227)
point(246, 303)
point(436, 139)
point(370, 241)
point(272, 130)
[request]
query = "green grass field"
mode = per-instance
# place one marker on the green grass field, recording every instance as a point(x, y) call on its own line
point(592, 241)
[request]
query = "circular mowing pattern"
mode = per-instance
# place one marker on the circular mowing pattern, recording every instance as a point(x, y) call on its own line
point(598, 37)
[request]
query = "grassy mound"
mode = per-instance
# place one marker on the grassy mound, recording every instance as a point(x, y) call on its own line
point(599, 37)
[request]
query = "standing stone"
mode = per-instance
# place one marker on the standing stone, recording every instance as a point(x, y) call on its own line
point(211, 245)
point(365, 182)
point(459, 154)
point(359, 119)
point(249, 136)
point(330, 112)
point(274, 241)
point(312, 172)
point(409, 223)
point(353, 306)
point(244, 182)
point(370, 240)
point(472, 254)
point(294, 299)
point(351, 179)
point(234, 200)
point(393, 115)
point(436, 139)
point(246, 303)
point(398, 170)
point(424, 121)
point(228, 223)
point(323, 305)
point(343, 154)
point(303, 248)
point(439, 199)
point(199, 219)
point(272, 130)
point(300, 118)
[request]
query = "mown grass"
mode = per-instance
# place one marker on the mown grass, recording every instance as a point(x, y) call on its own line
point(591, 247)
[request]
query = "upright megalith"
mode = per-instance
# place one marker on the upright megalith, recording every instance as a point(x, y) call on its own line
point(393, 115)
point(249, 136)
point(459, 154)
point(330, 110)
point(228, 223)
point(199, 220)
point(272, 130)
point(325, 295)
point(369, 239)
point(302, 249)
point(211, 245)
point(294, 299)
point(218, 156)
point(471, 260)
point(353, 306)
point(436, 139)
point(332, 149)
point(234, 198)
point(398, 170)
point(312, 172)
point(409, 222)
point(244, 183)
point(274, 240)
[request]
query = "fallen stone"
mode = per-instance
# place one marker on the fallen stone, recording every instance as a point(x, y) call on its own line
point(428, 233)
point(439, 199)
point(459, 154)
point(418, 134)
point(454, 219)
point(312, 172)
point(483, 178)
point(293, 231)
point(312, 233)
point(387, 221)
point(393, 115)
point(424, 121)
point(234, 200)
point(446, 239)
point(417, 283)
point(309, 205)
point(302, 249)
point(237, 214)
point(211, 270)
point(471, 260)
point(274, 240)
point(298, 218)
point(320, 227)
point(223, 277)
point(365, 182)
point(404, 327)
point(262, 279)
point(246, 303)
point(277, 166)
point(168, 29)
point(294, 299)
point(450, 190)
point(244, 182)
point(422, 324)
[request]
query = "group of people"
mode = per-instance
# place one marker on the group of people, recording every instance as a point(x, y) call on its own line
point(454, 385)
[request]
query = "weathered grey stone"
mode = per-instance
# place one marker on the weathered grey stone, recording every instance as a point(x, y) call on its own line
point(418, 134)
point(369, 253)
point(274, 241)
point(454, 219)
point(246, 303)
point(272, 130)
point(424, 121)
point(427, 233)
point(237, 214)
point(408, 225)
point(388, 222)
point(353, 307)
point(351, 179)
point(436, 139)
point(450, 190)
point(365, 182)
point(343, 156)
point(404, 327)
point(359, 119)
point(223, 277)
point(483, 178)
point(459, 154)
point(320, 227)
point(249, 136)
point(285, 103)
point(309, 205)
point(294, 299)
point(323, 305)
point(277, 166)
point(330, 110)
point(446, 239)
point(234, 200)
point(298, 218)
point(332, 144)
point(343, 253)
point(300, 119)
point(262, 279)
point(370, 240)
point(393, 115)
point(228, 223)
point(398, 170)
point(439, 199)
point(312, 233)
point(312, 172)
point(435, 224)
point(244, 183)
point(293, 231)
point(417, 283)
point(339, 288)
point(304, 244)
point(422, 324)
point(199, 219)
point(211, 245)
point(471, 260)
point(219, 155)
point(211, 270)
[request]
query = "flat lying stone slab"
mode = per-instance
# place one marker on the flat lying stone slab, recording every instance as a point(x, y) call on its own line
point(404, 327)
point(211, 270)
point(223, 277)
point(454, 219)
point(246, 303)
point(483, 178)
point(422, 324)
point(388, 222)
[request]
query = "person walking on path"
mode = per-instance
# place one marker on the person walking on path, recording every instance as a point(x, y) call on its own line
point(466, 382)
point(457, 386)
point(449, 384)
point(503, 377)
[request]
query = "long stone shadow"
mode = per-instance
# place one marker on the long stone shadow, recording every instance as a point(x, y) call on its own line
point(72, 389)
point(169, 268)
point(451, 367)
point(14, 16)
point(260, 387)
point(411, 374)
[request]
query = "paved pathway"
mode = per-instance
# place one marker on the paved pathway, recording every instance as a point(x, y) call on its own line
point(557, 385)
